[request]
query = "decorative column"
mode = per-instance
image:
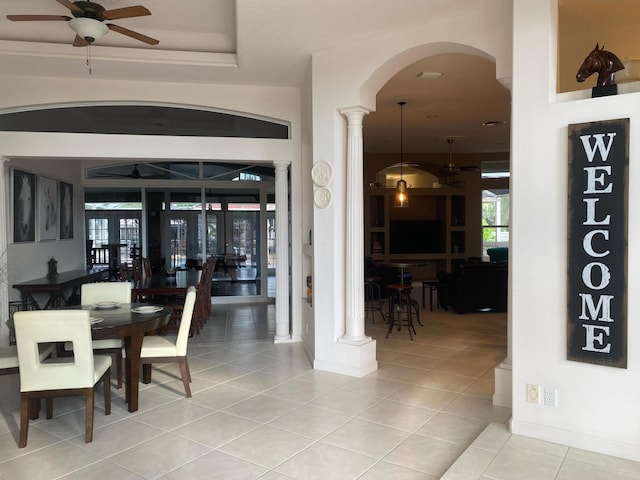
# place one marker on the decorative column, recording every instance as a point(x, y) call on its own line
point(4, 261)
point(354, 255)
point(283, 330)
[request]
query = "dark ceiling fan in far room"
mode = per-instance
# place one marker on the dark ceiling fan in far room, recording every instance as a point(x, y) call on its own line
point(135, 174)
point(450, 169)
point(88, 21)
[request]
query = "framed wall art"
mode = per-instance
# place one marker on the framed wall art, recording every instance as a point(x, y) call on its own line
point(24, 206)
point(66, 211)
point(47, 208)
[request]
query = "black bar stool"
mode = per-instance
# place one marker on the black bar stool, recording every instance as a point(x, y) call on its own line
point(402, 308)
point(372, 298)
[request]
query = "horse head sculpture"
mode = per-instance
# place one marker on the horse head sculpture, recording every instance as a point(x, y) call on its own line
point(602, 62)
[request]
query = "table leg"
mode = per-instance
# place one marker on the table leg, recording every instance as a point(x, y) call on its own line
point(133, 346)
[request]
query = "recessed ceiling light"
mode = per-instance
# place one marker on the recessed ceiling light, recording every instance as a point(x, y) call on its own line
point(429, 75)
point(493, 123)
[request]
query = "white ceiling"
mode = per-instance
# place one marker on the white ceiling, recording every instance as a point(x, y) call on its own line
point(259, 42)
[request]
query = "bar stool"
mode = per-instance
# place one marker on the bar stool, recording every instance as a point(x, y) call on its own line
point(432, 285)
point(401, 308)
point(372, 298)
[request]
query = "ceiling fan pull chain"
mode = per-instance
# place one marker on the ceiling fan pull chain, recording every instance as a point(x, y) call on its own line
point(89, 58)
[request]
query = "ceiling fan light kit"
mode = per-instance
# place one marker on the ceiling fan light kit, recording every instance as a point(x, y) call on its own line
point(88, 28)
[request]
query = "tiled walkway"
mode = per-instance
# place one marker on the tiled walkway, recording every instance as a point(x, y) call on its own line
point(259, 410)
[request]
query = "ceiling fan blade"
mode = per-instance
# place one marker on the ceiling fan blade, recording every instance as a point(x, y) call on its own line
point(79, 42)
point(126, 12)
point(70, 5)
point(30, 18)
point(132, 34)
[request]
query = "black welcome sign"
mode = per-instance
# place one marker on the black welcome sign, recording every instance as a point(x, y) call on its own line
point(597, 243)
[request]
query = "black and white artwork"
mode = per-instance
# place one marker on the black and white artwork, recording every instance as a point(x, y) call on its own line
point(24, 206)
point(47, 208)
point(66, 211)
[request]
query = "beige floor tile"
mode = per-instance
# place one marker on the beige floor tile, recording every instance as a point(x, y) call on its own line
point(452, 428)
point(478, 407)
point(423, 397)
point(425, 454)
point(117, 437)
point(309, 421)
point(376, 386)
point(173, 415)
point(297, 391)
point(159, 455)
point(50, 462)
point(397, 415)
point(328, 463)
point(266, 446)
point(216, 429)
point(470, 465)
point(387, 471)
point(262, 408)
point(365, 437)
point(100, 471)
point(575, 470)
point(444, 381)
point(217, 465)
point(343, 401)
point(513, 463)
point(221, 396)
point(607, 461)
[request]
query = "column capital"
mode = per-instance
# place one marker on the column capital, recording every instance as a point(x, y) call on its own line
point(281, 164)
point(355, 113)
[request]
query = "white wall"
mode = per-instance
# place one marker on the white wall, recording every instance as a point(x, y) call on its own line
point(351, 76)
point(597, 406)
point(29, 260)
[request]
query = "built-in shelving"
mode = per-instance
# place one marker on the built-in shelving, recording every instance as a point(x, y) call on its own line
point(443, 206)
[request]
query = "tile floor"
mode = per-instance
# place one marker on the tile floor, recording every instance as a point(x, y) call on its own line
point(260, 411)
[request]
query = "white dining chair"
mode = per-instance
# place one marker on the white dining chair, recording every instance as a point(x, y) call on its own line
point(119, 292)
point(166, 349)
point(75, 375)
point(9, 357)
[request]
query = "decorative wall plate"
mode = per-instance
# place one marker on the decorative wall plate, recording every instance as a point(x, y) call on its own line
point(322, 197)
point(321, 173)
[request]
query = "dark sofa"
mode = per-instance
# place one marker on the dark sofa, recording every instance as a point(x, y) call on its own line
point(476, 286)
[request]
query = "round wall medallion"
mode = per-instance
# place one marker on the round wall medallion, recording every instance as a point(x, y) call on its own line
point(321, 173)
point(322, 197)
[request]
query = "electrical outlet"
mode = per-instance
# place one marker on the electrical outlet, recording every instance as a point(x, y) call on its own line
point(550, 397)
point(533, 393)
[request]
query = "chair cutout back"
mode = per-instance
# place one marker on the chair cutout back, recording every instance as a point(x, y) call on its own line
point(185, 322)
point(43, 326)
point(91, 293)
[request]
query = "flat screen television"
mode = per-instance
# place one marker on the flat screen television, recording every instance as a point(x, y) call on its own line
point(416, 236)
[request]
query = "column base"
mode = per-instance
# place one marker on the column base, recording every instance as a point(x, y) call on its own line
point(348, 359)
point(503, 396)
point(354, 340)
point(282, 339)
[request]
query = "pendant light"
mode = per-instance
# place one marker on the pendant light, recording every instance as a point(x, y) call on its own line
point(402, 199)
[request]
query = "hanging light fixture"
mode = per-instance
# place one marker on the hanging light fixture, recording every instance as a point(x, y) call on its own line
point(402, 199)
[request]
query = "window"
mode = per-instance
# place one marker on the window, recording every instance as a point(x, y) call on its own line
point(495, 219)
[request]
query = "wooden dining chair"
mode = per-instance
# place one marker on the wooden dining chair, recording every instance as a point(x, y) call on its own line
point(203, 302)
point(146, 267)
point(166, 349)
point(66, 376)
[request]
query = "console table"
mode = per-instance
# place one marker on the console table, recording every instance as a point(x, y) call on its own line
point(56, 287)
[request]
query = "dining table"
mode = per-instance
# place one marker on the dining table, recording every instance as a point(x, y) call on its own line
point(130, 322)
point(165, 285)
point(402, 264)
